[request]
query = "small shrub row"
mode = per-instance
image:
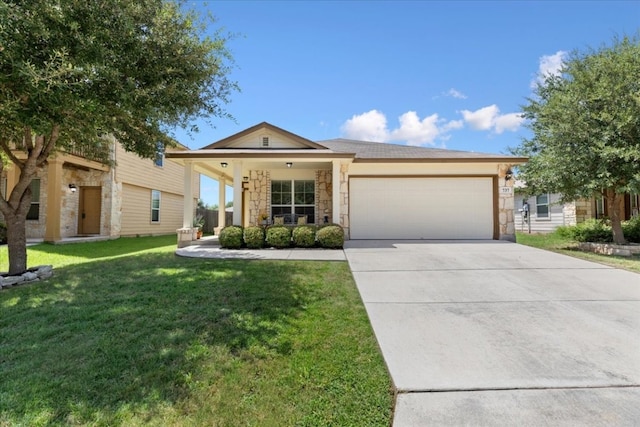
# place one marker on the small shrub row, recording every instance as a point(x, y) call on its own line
point(599, 231)
point(329, 236)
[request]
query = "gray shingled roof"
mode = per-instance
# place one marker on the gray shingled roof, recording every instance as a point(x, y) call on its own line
point(377, 150)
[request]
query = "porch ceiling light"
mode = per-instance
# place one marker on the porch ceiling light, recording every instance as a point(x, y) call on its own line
point(73, 188)
point(224, 164)
point(289, 164)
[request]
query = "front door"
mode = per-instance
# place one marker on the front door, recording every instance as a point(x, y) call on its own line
point(89, 218)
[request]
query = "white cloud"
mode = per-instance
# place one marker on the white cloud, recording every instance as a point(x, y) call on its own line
point(482, 119)
point(369, 126)
point(415, 131)
point(372, 126)
point(456, 94)
point(550, 65)
point(489, 118)
point(510, 122)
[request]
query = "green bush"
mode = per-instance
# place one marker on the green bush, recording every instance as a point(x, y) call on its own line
point(631, 229)
point(593, 230)
point(330, 236)
point(279, 236)
point(254, 237)
point(3, 233)
point(304, 236)
point(231, 237)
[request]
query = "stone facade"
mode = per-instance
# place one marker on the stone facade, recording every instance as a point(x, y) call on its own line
point(259, 195)
point(344, 198)
point(506, 220)
point(324, 195)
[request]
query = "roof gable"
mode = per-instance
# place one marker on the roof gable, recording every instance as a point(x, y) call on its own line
point(264, 136)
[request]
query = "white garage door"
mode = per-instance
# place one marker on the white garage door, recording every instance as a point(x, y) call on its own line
point(421, 208)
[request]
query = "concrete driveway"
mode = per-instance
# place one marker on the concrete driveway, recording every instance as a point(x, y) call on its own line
point(496, 333)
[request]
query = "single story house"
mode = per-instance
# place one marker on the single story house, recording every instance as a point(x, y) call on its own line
point(544, 212)
point(75, 195)
point(373, 190)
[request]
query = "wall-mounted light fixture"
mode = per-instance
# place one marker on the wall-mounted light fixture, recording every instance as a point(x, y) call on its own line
point(289, 164)
point(245, 179)
point(508, 175)
point(224, 164)
point(73, 188)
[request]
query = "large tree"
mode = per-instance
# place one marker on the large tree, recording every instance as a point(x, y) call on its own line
point(74, 71)
point(586, 128)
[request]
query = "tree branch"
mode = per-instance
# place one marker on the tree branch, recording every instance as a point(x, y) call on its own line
point(4, 144)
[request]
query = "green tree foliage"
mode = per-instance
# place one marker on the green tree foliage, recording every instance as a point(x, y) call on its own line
point(74, 71)
point(586, 128)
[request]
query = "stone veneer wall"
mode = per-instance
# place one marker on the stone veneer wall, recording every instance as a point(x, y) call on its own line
point(506, 206)
point(69, 211)
point(584, 210)
point(324, 195)
point(569, 213)
point(344, 198)
point(259, 195)
point(34, 229)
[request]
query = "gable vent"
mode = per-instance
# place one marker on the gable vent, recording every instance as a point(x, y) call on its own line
point(265, 141)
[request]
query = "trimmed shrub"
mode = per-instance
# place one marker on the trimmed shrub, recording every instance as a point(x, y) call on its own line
point(631, 229)
point(279, 236)
point(254, 237)
point(593, 230)
point(330, 236)
point(231, 237)
point(304, 236)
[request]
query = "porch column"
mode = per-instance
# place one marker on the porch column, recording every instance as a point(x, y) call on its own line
point(237, 193)
point(54, 200)
point(335, 191)
point(222, 201)
point(187, 213)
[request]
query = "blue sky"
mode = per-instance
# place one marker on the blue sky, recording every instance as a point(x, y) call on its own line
point(436, 74)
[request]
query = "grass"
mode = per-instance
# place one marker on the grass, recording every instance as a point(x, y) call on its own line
point(556, 243)
point(126, 333)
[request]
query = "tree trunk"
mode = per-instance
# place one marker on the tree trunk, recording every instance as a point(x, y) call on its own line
point(615, 206)
point(16, 243)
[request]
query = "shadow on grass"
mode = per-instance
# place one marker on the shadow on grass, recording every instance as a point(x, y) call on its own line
point(131, 335)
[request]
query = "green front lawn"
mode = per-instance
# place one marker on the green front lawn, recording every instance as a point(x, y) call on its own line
point(556, 243)
point(126, 333)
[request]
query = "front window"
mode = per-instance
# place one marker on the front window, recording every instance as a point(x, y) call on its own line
point(155, 206)
point(635, 204)
point(294, 197)
point(599, 207)
point(34, 209)
point(542, 206)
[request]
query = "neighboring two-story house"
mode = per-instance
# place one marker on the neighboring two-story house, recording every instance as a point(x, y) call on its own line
point(77, 196)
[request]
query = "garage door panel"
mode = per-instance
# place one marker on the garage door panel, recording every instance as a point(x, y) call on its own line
point(421, 208)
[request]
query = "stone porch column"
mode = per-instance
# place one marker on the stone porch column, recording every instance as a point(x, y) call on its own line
point(237, 193)
point(222, 183)
point(54, 200)
point(185, 234)
point(335, 192)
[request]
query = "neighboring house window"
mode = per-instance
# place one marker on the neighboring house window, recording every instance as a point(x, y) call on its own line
point(159, 159)
point(34, 209)
point(635, 204)
point(294, 197)
point(542, 206)
point(155, 206)
point(599, 207)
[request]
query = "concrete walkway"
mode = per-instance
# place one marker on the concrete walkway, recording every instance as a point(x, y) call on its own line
point(209, 248)
point(495, 333)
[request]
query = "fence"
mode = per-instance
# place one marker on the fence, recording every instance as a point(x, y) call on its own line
point(211, 219)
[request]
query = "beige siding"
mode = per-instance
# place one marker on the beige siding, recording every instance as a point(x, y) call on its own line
point(540, 225)
point(132, 169)
point(136, 212)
